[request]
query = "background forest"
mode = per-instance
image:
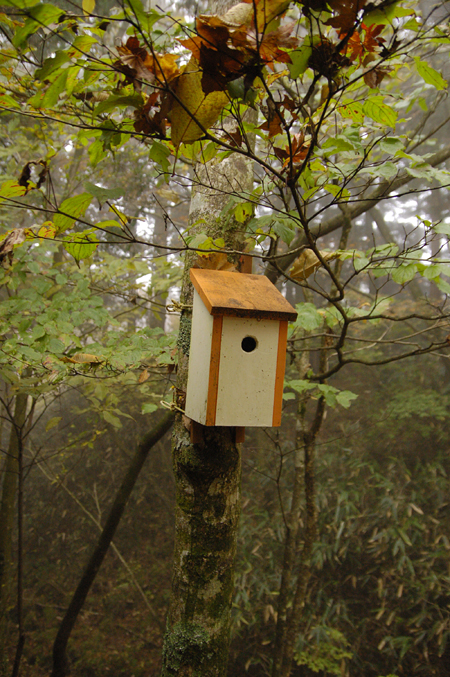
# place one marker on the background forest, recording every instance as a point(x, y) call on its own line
point(90, 311)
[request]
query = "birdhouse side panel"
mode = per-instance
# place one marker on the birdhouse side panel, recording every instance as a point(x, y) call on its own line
point(248, 363)
point(199, 362)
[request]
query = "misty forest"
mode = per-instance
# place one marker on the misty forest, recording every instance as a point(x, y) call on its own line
point(144, 144)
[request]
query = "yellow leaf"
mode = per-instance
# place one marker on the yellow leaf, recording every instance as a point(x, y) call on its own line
point(204, 109)
point(52, 423)
point(267, 11)
point(83, 358)
point(47, 230)
point(307, 263)
point(144, 376)
point(88, 7)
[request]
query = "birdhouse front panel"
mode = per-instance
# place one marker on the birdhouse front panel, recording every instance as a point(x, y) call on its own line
point(248, 364)
point(237, 351)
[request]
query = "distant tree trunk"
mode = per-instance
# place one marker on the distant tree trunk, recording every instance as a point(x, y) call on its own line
point(60, 664)
point(207, 477)
point(7, 510)
point(157, 314)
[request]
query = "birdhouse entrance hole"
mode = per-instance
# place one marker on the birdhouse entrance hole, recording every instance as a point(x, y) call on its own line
point(249, 344)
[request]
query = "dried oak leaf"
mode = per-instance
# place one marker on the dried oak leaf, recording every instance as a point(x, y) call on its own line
point(270, 44)
point(326, 60)
point(15, 237)
point(138, 65)
point(296, 153)
point(151, 118)
point(215, 261)
point(365, 43)
point(374, 77)
point(219, 62)
point(345, 14)
point(307, 264)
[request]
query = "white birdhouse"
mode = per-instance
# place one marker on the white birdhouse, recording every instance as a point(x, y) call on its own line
point(238, 350)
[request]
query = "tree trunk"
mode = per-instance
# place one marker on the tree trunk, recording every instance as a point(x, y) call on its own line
point(60, 666)
point(207, 476)
point(7, 506)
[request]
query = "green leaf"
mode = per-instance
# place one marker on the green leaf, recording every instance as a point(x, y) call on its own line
point(55, 346)
point(51, 64)
point(345, 398)
point(11, 189)
point(308, 318)
point(391, 144)
point(386, 14)
point(387, 170)
point(8, 101)
point(404, 536)
point(431, 76)
point(81, 245)
point(113, 420)
point(114, 101)
point(284, 228)
point(377, 110)
point(159, 153)
point(242, 211)
point(103, 194)
point(149, 408)
point(73, 208)
point(52, 423)
point(299, 59)
point(81, 45)
point(352, 110)
point(51, 96)
point(338, 144)
point(404, 273)
point(96, 152)
point(39, 15)
point(337, 191)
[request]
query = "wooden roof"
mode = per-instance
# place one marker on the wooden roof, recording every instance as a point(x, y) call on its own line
point(240, 295)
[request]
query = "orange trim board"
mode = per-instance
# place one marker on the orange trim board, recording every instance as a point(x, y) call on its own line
point(213, 383)
point(279, 375)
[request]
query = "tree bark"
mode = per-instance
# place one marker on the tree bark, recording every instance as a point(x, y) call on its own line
point(60, 663)
point(207, 475)
point(7, 509)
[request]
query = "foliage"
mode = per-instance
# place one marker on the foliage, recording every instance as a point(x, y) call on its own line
point(110, 114)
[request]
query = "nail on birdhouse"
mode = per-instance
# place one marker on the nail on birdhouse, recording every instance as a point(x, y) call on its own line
point(238, 350)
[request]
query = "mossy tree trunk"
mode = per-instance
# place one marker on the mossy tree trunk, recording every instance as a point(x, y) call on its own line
point(207, 476)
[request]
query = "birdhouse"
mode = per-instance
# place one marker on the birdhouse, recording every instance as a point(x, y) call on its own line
point(238, 350)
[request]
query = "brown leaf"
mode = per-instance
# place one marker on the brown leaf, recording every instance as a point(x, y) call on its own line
point(151, 118)
point(345, 14)
point(143, 376)
point(326, 60)
point(15, 237)
point(137, 64)
point(296, 153)
point(215, 261)
point(307, 263)
point(374, 77)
